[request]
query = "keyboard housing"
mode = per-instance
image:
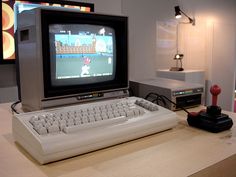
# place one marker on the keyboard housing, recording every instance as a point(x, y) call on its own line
point(82, 131)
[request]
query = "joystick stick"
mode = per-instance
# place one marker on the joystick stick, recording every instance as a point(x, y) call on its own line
point(215, 91)
point(211, 119)
point(214, 109)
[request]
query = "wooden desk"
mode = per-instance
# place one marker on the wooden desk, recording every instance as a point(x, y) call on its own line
point(182, 151)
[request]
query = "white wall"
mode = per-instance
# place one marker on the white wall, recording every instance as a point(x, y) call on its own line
point(142, 34)
point(141, 39)
point(215, 24)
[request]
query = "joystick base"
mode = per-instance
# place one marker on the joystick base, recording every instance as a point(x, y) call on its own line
point(211, 123)
point(211, 119)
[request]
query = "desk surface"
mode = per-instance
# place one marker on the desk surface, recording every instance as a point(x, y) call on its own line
point(182, 151)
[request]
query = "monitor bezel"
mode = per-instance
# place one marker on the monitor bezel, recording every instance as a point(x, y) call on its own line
point(61, 2)
point(118, 23)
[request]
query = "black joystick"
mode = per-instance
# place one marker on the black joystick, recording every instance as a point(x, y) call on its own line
point(211, 119)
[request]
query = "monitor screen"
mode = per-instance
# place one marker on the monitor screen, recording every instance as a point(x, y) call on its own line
point(81, 53)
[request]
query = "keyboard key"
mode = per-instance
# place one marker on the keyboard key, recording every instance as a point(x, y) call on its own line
point(53, 129)
point(42, 131)
point(87, 126)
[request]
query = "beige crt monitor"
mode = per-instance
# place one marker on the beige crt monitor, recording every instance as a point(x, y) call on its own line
point(67, 57)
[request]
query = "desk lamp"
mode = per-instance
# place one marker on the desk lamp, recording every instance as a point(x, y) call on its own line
point(178, 57)
point(178, 15)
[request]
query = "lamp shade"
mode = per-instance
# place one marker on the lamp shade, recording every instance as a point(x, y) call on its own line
point(177, 12)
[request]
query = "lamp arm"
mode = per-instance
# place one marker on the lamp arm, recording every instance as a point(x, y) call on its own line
point(190, 19)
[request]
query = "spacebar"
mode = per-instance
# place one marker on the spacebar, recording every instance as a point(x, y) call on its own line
point(75, 128)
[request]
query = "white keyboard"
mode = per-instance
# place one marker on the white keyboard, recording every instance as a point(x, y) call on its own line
point(55, 134)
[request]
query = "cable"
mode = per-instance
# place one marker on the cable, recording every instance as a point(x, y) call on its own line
point(157, 99)
point(175, 104)
point(162, 97)
point(13, 107)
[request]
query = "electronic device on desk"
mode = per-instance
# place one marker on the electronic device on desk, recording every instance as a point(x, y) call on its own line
point(55, 134)
point(211, 119)
point(183, 94)
point(68, 57)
